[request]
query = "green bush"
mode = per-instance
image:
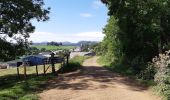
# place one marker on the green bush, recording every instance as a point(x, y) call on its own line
point(148, 73)
point(162, 76)
point(74, 64)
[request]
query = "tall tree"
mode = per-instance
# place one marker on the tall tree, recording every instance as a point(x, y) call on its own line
point(15, 22)
point(144, 28)
point(110, 41)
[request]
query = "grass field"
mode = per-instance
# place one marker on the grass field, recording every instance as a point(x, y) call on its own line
point(14, 88)
point(53, 47)
point(30, 70)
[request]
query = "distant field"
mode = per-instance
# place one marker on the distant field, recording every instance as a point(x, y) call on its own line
point(53, 47)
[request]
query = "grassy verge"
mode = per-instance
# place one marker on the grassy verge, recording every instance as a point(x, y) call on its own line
point(115, 67)
point(103, 62)
point(125, 71)
point(162, 91)
point(74, 64)
point(13, 88)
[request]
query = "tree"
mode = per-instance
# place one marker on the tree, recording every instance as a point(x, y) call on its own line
point(110, 44)
point(33, 51)
point(10, 51)
point(143, 29)
point(15, 21)
point(52, 43)
point(43, 50)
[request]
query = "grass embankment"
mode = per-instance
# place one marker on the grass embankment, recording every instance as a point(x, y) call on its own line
point(116, 67)
point(13, 88)
point(53, 47)
point(125, 71)
point(74, 64)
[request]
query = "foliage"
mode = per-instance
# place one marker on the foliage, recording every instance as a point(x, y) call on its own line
point(143, 33)
point(143, 30)
point(43, 50)
point(162, 76)
point(88, 46)
point(54, 43)
point(148, 73)
point(10, 51)
point(15, 23)
point(103, 61)
point(74, 64)
point(110, 43)
point(33, 51)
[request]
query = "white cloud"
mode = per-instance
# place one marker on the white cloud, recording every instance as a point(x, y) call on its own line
point(97, 4)
point(90, 34)
point(87, 15)
point(46, 36)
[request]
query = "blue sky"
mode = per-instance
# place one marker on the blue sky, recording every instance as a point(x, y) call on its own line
point(72, 20)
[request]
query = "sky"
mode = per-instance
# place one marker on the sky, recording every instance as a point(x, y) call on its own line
point(72, 21)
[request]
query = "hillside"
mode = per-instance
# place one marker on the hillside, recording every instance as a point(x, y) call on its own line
point(68, 43)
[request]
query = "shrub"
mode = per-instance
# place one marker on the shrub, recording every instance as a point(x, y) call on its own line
point(148, 73)
point(162, 76)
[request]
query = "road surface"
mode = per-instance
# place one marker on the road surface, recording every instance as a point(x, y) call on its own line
point(94, 82)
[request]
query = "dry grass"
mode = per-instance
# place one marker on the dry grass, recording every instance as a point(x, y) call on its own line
point(14, 88)
point(30, 70)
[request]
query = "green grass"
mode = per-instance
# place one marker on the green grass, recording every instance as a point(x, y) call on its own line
point(102, 61)
point(53, 47)
point(124, 70)
point(14, 88)
point(74, 64)
point(116, 67)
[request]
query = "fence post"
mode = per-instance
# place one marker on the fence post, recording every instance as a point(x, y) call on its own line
point(18, 71)
point(67, 58)
point(25, 70)
point(53, 64)
point(44, 68)
point(37, 69)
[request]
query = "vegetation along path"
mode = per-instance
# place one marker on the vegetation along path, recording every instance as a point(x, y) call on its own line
point(94, 83)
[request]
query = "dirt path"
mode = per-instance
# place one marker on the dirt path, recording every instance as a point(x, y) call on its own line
point(94, 83)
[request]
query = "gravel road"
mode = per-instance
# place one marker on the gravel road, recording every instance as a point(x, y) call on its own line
point(94, 82)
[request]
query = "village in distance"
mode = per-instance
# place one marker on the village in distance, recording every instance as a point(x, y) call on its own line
point(37, 52)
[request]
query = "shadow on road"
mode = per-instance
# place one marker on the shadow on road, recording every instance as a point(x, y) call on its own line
point(91, 78)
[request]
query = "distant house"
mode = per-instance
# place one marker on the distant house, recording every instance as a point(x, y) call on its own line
point(47, 54)
point(3, 66)
point(35, 59)
point(14, 63)
point(78, 49)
